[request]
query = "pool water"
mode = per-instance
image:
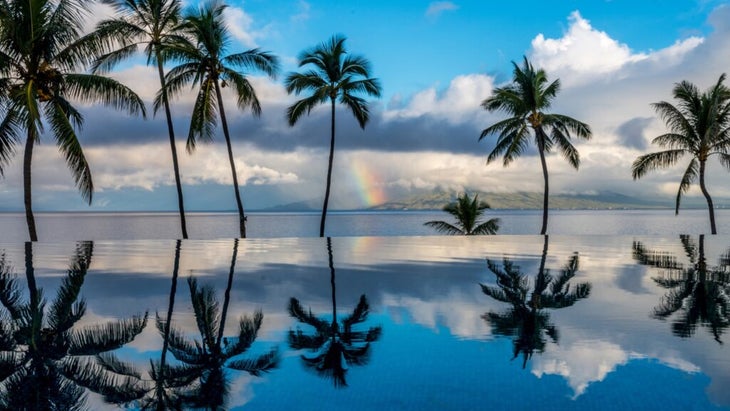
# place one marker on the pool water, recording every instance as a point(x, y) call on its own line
point(362, 323)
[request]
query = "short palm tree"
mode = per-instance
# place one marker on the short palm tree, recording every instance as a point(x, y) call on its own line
point(47, 361)
point(156, 24)
point(335, 345)
point(204, 64)
point(335, 76)
point(526, 100)
point(698, 292)
point(527, 319)
point(466, 211)
point(41, 53)
point(699, 126)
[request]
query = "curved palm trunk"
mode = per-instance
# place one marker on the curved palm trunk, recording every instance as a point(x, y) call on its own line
point(710, 206)
point(173, 148)
point(224, 124)
point(27, 158)
point(165, 343)
point(227, 297)
point(541, 149)
point(329, 173)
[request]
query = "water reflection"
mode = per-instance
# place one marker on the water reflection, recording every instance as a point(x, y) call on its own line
point(47, 362)
point(697, 292)
point(527, 319)
point(334, 346)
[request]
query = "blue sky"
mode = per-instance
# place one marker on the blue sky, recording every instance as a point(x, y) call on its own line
point(436, 61)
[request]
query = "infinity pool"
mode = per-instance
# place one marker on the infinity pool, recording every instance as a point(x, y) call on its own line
point(394, 323)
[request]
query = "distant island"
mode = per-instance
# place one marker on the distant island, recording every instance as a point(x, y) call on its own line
point(435, 200)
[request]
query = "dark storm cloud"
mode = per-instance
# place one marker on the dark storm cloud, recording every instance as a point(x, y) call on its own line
point(631, 133)
point(271, 132)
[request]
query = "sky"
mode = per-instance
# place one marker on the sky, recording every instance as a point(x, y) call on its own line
point(436, 61)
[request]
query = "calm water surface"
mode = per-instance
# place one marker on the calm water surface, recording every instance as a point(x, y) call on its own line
point(422, 323)
point(133, 226)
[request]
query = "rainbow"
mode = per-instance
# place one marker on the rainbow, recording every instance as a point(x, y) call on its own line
point(368, 183)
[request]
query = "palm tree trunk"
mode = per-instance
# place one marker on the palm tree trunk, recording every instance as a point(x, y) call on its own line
point(27, 157)
point(224, 124)
point(173, 148)
point(541, 150)
point(329, 173)
point(227, 295)
point(332, 282)
point(30, 276)
point(710, 206)
point(166, 338)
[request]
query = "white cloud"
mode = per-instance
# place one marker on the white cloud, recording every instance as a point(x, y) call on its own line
point(303, 13)
point(436, 8)
point(241, 26)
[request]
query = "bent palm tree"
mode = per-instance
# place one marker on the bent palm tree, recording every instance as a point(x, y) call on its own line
point(40, 52)
point(527, 319)
point(698, 292)
point(699, 126)
point(466, 211)
point(206, 65)
point(335, 346)
point(526, 100)
point(48, 362)
point(155, 23)
point(336, 75)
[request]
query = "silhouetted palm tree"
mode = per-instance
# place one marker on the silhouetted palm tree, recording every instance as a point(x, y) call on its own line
point(527, 319)
point(205, 64)
point(466, 211)
point(40, 55)
point(209, 356)
point(699, 292)
point(335, 76)
point(335, 346)
point(47, 361)
point(525, 100)
point(698, 126)
point(156, 24)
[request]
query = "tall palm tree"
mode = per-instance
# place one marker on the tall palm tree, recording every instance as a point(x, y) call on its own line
point(334, 345)
point(527, 319)
point(205, 64)
point(335, 75)
point(698, 291)
point(156, 24)
point(699, 125)
point(526, 100)
point(46, 359)
point(209, 356)
point(466, 211)
point(40, 53)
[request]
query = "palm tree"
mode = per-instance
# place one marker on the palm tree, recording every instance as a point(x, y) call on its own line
point(336, 75)
point(527, 319)
point(334, 346)
point(155, 23)
point(40, 52)
point(208, 356)
point(699, 125)
point(466, 211)
point(46, 360)
point(205, 64)
point(525, 100)
point(698, 292)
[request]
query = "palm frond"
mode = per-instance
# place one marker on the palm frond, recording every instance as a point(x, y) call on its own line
point(652, 161)
point(257, 366)
point(444, 228)
point(690, 174)
point(96, 339)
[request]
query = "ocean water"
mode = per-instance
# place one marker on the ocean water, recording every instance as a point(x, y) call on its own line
point(621, 322)
point(127, 226)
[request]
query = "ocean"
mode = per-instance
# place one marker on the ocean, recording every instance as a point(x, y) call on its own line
point(54, 227)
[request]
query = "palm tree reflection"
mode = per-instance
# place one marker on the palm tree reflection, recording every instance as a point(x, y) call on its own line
point(527, 319)
point(208, 357)
point(698, 292)
point(46, 362)
point(334, 346)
